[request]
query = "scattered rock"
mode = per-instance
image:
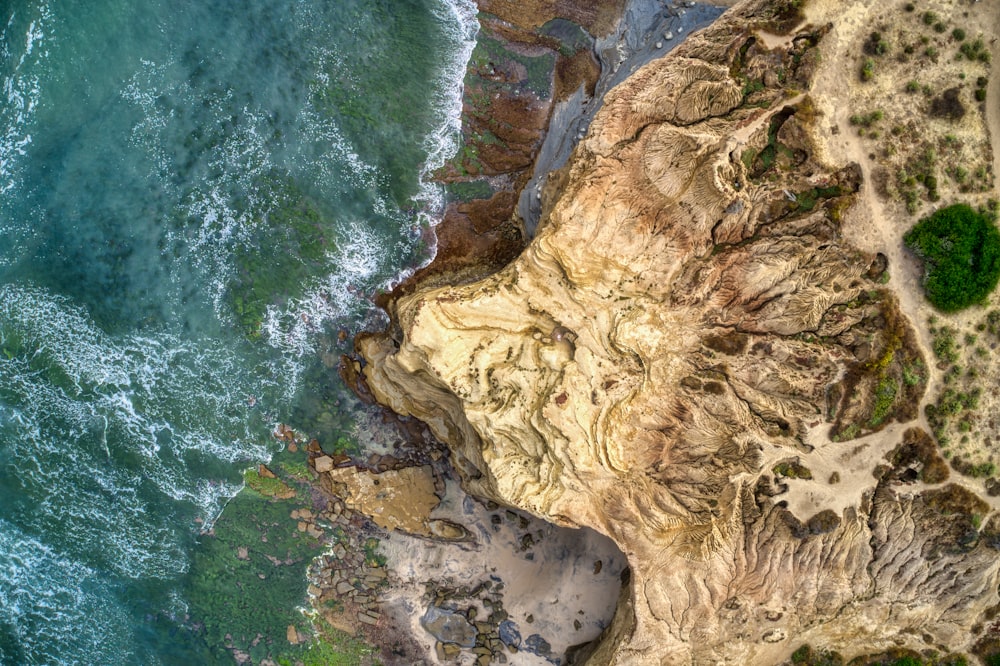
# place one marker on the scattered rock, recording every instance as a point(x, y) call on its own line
point(448, 627)
point(397, 499)
point(323, 464)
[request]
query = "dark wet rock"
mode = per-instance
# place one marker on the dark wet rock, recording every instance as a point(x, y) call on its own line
point(448, 627)
point(509, 633)
point(538, 645)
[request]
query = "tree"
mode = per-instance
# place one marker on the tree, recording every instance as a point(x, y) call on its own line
point(961, 252)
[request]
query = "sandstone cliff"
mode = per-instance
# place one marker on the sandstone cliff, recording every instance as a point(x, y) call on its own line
point(684, 359)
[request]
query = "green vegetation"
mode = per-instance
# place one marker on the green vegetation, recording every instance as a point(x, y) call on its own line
point(961, 251)
point(958, 35)
point(539, 69)
point(914, 374)
point(373, 558)
point(943, 344)
point(912, 86)
point(975, 50)
point(805, 655)
point(868, 69)
point(248, 576)
point(867, 119)
point(469, 190)
point(792, 469)
point(333, 648)
point(807, 200)
point(885, 397)
point(920, 171)
point(876, 45)
point(267, 486)
point(774, 154)
point(288, 243)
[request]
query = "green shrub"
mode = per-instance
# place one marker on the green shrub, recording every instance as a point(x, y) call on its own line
point(912, 86)
point(958, 35)
point(885, 397)
point(980, 94)
point(868, 69)
point(974, 50)
point(909, 7)
point(930, 18)
point(961, 252)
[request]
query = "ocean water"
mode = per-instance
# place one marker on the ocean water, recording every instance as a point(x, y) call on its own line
point(195, 196)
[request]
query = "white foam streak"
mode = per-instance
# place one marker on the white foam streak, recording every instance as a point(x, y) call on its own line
point(170, 405)
point(294, 328)
point(47, 600)
point(442, 143)
point(22, 92)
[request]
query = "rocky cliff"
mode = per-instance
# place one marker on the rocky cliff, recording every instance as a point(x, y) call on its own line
point(684, 359)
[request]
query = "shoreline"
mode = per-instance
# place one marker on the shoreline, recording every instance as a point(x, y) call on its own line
point(640, 37)
point(508, 414)
point(458, 570)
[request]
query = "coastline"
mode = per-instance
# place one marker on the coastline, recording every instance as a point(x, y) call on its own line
point(763, 105)
point(474, 237)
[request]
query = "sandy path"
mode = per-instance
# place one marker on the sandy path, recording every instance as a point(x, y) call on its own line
point(992, 18)
point(878, 226)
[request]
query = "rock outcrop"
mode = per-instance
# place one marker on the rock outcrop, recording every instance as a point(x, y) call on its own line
point(685, 355)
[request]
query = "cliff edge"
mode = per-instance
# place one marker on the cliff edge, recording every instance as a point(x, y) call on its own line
point(692, 358)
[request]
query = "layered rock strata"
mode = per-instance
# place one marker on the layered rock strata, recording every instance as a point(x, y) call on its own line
point(685, 345)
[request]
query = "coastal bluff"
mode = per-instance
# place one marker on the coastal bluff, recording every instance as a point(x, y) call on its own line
point(692, 358)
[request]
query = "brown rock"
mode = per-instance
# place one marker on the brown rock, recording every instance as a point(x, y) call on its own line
point(323, 464)
point(696, 246)
point(292, 635)
point(368, 618)
point(397, 499)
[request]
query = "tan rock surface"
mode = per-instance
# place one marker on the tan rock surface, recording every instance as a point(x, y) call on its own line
point(401, 499)
point(686, 337)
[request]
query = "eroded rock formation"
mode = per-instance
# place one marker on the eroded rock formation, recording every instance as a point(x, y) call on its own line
point(685, 345)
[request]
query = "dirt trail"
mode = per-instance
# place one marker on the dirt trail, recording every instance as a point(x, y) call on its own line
point(993, 88)
point(878, 225)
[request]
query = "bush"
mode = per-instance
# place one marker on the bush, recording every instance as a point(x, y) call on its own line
point(958, 35)
point(930, 18)
point(961, 252)
point(912, 86)
point(980, 94)
point(868, 69)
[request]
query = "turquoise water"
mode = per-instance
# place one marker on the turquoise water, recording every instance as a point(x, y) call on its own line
point(194, 197)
